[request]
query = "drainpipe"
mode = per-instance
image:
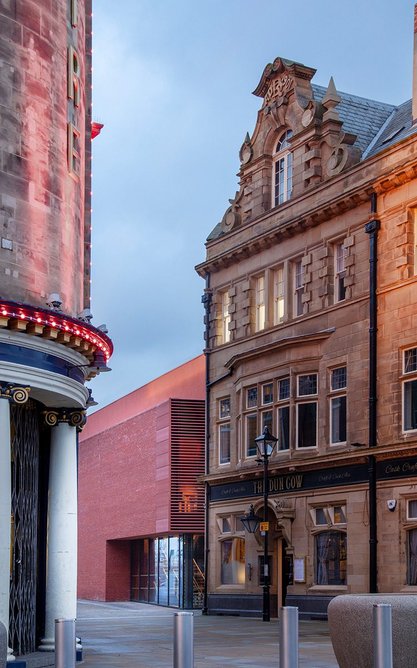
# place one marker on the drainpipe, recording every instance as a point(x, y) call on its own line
point(372, 228)
point(206, 300)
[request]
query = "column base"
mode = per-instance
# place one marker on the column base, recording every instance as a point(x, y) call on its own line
point(10, 656)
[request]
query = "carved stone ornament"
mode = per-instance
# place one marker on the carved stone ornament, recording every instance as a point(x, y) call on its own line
point(232, 218)
point(338, 160)
point(278, 89)
point(308, 115)
point(73, 417)
point(246, 151)
point(15, 393)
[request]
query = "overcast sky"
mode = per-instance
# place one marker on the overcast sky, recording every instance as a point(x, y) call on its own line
point(172, 85)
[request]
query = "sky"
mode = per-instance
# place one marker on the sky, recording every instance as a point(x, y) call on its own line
point(172, 84)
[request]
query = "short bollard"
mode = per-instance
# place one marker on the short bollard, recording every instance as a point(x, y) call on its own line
point(382, 620)
point(288, 642)
point(183, 640)
point(65, 643)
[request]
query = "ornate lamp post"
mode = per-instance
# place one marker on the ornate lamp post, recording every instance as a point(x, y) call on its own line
point(265, 445)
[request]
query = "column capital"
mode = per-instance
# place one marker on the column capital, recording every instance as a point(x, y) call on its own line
point(75, 417)
point(16, 393)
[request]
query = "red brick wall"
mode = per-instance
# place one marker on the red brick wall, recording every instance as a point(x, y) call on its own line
point(125, 485)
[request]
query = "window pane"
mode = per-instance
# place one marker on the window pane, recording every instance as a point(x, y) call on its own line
point(307, 425)
point(338, 419)
point(233, 561)
point(224, 408)
point(268, 393)
point(410, 360)
point(410, 405)
point(174, 571)
point(267, 421)
point(225, 525)
point(307, 384)
point(412, 558)
point(284, 389)
point(278, 296)
point(320, 516)
point(331, 548)
point(412, 510)
point(153, 570)
point(339, 515)
point(284, 428)
point(251, 434)
point(163, 571)
point(252, 397)
point(224, 438)
point(339, 378)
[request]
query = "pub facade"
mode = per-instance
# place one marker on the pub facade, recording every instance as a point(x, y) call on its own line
point(311, 314)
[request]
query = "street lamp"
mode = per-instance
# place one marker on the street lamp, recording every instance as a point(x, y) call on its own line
point(265, 445)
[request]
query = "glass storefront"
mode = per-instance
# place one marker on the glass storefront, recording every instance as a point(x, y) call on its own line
point(168, 571)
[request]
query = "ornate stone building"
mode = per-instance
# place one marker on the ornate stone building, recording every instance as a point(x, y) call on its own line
point(48, 346)
point(311, 314)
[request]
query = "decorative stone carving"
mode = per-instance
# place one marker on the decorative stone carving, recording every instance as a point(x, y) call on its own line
point(74, 417)
point(285, 512)
point(246, 151)
point(232, 217)
point(15, 393)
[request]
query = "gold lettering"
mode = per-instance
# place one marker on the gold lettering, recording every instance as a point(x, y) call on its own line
point(73, 77)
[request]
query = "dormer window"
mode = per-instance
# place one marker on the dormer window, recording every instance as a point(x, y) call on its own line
point(282, 170)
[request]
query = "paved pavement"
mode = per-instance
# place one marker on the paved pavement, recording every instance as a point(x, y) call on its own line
point(136, 635)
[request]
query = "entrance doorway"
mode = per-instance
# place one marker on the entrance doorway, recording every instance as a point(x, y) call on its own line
point(285, 571)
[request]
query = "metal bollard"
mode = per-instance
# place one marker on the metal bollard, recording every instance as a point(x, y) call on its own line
point(183, 640)
point(65, 643)
point(382, 620)
point(288, 643)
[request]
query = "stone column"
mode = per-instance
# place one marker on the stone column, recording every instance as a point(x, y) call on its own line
point(5, 513)
point(61, 581)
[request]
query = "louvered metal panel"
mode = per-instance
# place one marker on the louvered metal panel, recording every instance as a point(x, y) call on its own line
point(187, 464)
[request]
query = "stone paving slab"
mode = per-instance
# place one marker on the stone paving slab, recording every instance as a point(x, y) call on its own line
point(135, 635)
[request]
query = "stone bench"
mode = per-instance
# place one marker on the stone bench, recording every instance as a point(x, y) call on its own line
point(351, 629)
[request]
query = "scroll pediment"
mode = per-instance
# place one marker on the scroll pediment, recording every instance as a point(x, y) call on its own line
point(285, 72)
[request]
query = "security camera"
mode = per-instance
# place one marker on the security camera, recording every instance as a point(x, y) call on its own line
point(85, 315)
point(391, 503)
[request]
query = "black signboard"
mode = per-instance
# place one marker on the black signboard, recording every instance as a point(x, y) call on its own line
point(292, 482)
point(295, 482)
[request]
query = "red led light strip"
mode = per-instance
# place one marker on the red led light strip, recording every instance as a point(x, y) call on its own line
point(61, 323)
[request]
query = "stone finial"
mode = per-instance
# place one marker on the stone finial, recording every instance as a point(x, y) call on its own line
point(330, 101)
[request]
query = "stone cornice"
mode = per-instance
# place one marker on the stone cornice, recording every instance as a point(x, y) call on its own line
point(292, 341)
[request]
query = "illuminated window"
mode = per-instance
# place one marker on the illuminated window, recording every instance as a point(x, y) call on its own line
point(282, 170)
point(340, 254)
point(267, 393)
point(232, 561)
point(279, 296)
point(298, 276)
point(224, 408)
point(412, 543)
point(260, 310)
point(225, 317)
point(410, 390)
point(338, 383)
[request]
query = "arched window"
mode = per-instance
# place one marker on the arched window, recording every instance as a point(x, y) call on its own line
point(282, 170)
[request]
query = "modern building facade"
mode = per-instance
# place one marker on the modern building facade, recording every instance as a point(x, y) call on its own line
point(141, 501)
point(311, 313)
point(48, 346)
